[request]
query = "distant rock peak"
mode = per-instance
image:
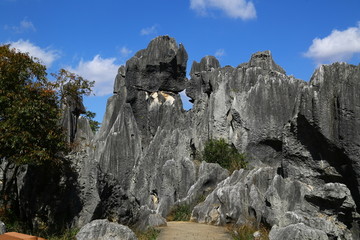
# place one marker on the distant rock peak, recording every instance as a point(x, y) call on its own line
point(161, 49)
point(159, 67)
point(120, 79)
point(207, 63)
point(265, 61)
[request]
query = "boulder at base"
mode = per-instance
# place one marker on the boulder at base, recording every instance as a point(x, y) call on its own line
point(105, 230)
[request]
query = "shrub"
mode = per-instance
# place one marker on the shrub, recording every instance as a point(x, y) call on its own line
point(180, 213)
point(14, 224)
point(150, 234)
point(68, 234)
point(246, 232)
point(226, 155)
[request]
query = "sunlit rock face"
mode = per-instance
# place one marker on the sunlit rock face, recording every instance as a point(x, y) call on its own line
point(301, 140)
point(308, 133)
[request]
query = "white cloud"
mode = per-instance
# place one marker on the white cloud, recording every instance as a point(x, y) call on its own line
point(24, 26)
point(47, 56)
point(338, 46)
point(149, 30)
point(220, 52)
point(125, 52)
point(101, 70)
point(233, 8)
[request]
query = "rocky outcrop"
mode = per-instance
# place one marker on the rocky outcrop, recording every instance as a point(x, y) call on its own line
point(2, 228)
point(301, 140)
point(72, 107)
point(248, 106)
point(261, 196)
point(139, 150)
point(148, 219)
point(105, 230)
point(298, 232)
point(309, 147)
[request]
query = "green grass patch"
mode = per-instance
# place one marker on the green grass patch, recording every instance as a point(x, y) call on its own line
point(246, 232)
point(183, 212)
point(180, 213)
point(150, 234)
point(68, 234)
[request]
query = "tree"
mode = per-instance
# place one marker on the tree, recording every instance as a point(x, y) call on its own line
point(95, 125)
point(71, 85)
point(29, 117)
point(226, 155)
point(29, 112)
point(71, 89)
point(31, 134)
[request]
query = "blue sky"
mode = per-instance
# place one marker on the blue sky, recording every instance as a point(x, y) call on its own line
point(93, 38)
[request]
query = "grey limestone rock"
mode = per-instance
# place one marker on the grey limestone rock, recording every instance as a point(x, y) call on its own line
point(2, 228)
point(149, 218)
point(248, 106)
point(200, 85)
point(154, 77)
point(267, 198)
point(265, 61)
point(207, 63)
point(297, 232)
point(105, 230)
point(139, 149)
point(159, 67)
point(72, 108)
point(119, 80)
point(209, 175)
point(84, 134)
point(301, 140)
point(334, 196)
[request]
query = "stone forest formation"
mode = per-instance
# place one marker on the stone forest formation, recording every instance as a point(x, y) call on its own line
point(301, 140)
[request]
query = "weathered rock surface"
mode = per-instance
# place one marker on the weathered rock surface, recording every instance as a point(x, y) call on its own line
point(84, 134)
point(263, 196)
point(248, 106)
point(105, 230)
point(139, 150)
point(149, 218)
point(72, 108)
point(209, 175)
point(2, 228)
point(313, 155)
point(302, 141)
point(297, 232)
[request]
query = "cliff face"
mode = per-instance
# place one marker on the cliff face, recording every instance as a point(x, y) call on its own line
point(302, 141)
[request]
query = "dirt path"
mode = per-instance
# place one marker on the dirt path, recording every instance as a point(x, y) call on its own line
point(192, 231)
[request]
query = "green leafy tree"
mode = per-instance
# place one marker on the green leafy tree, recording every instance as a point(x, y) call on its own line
point(72, 85)
point(29, 117)
point(71, 89)
point(226, 155)
point(95, 125)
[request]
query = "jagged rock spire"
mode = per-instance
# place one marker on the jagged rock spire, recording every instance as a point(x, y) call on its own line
point(265, 61)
